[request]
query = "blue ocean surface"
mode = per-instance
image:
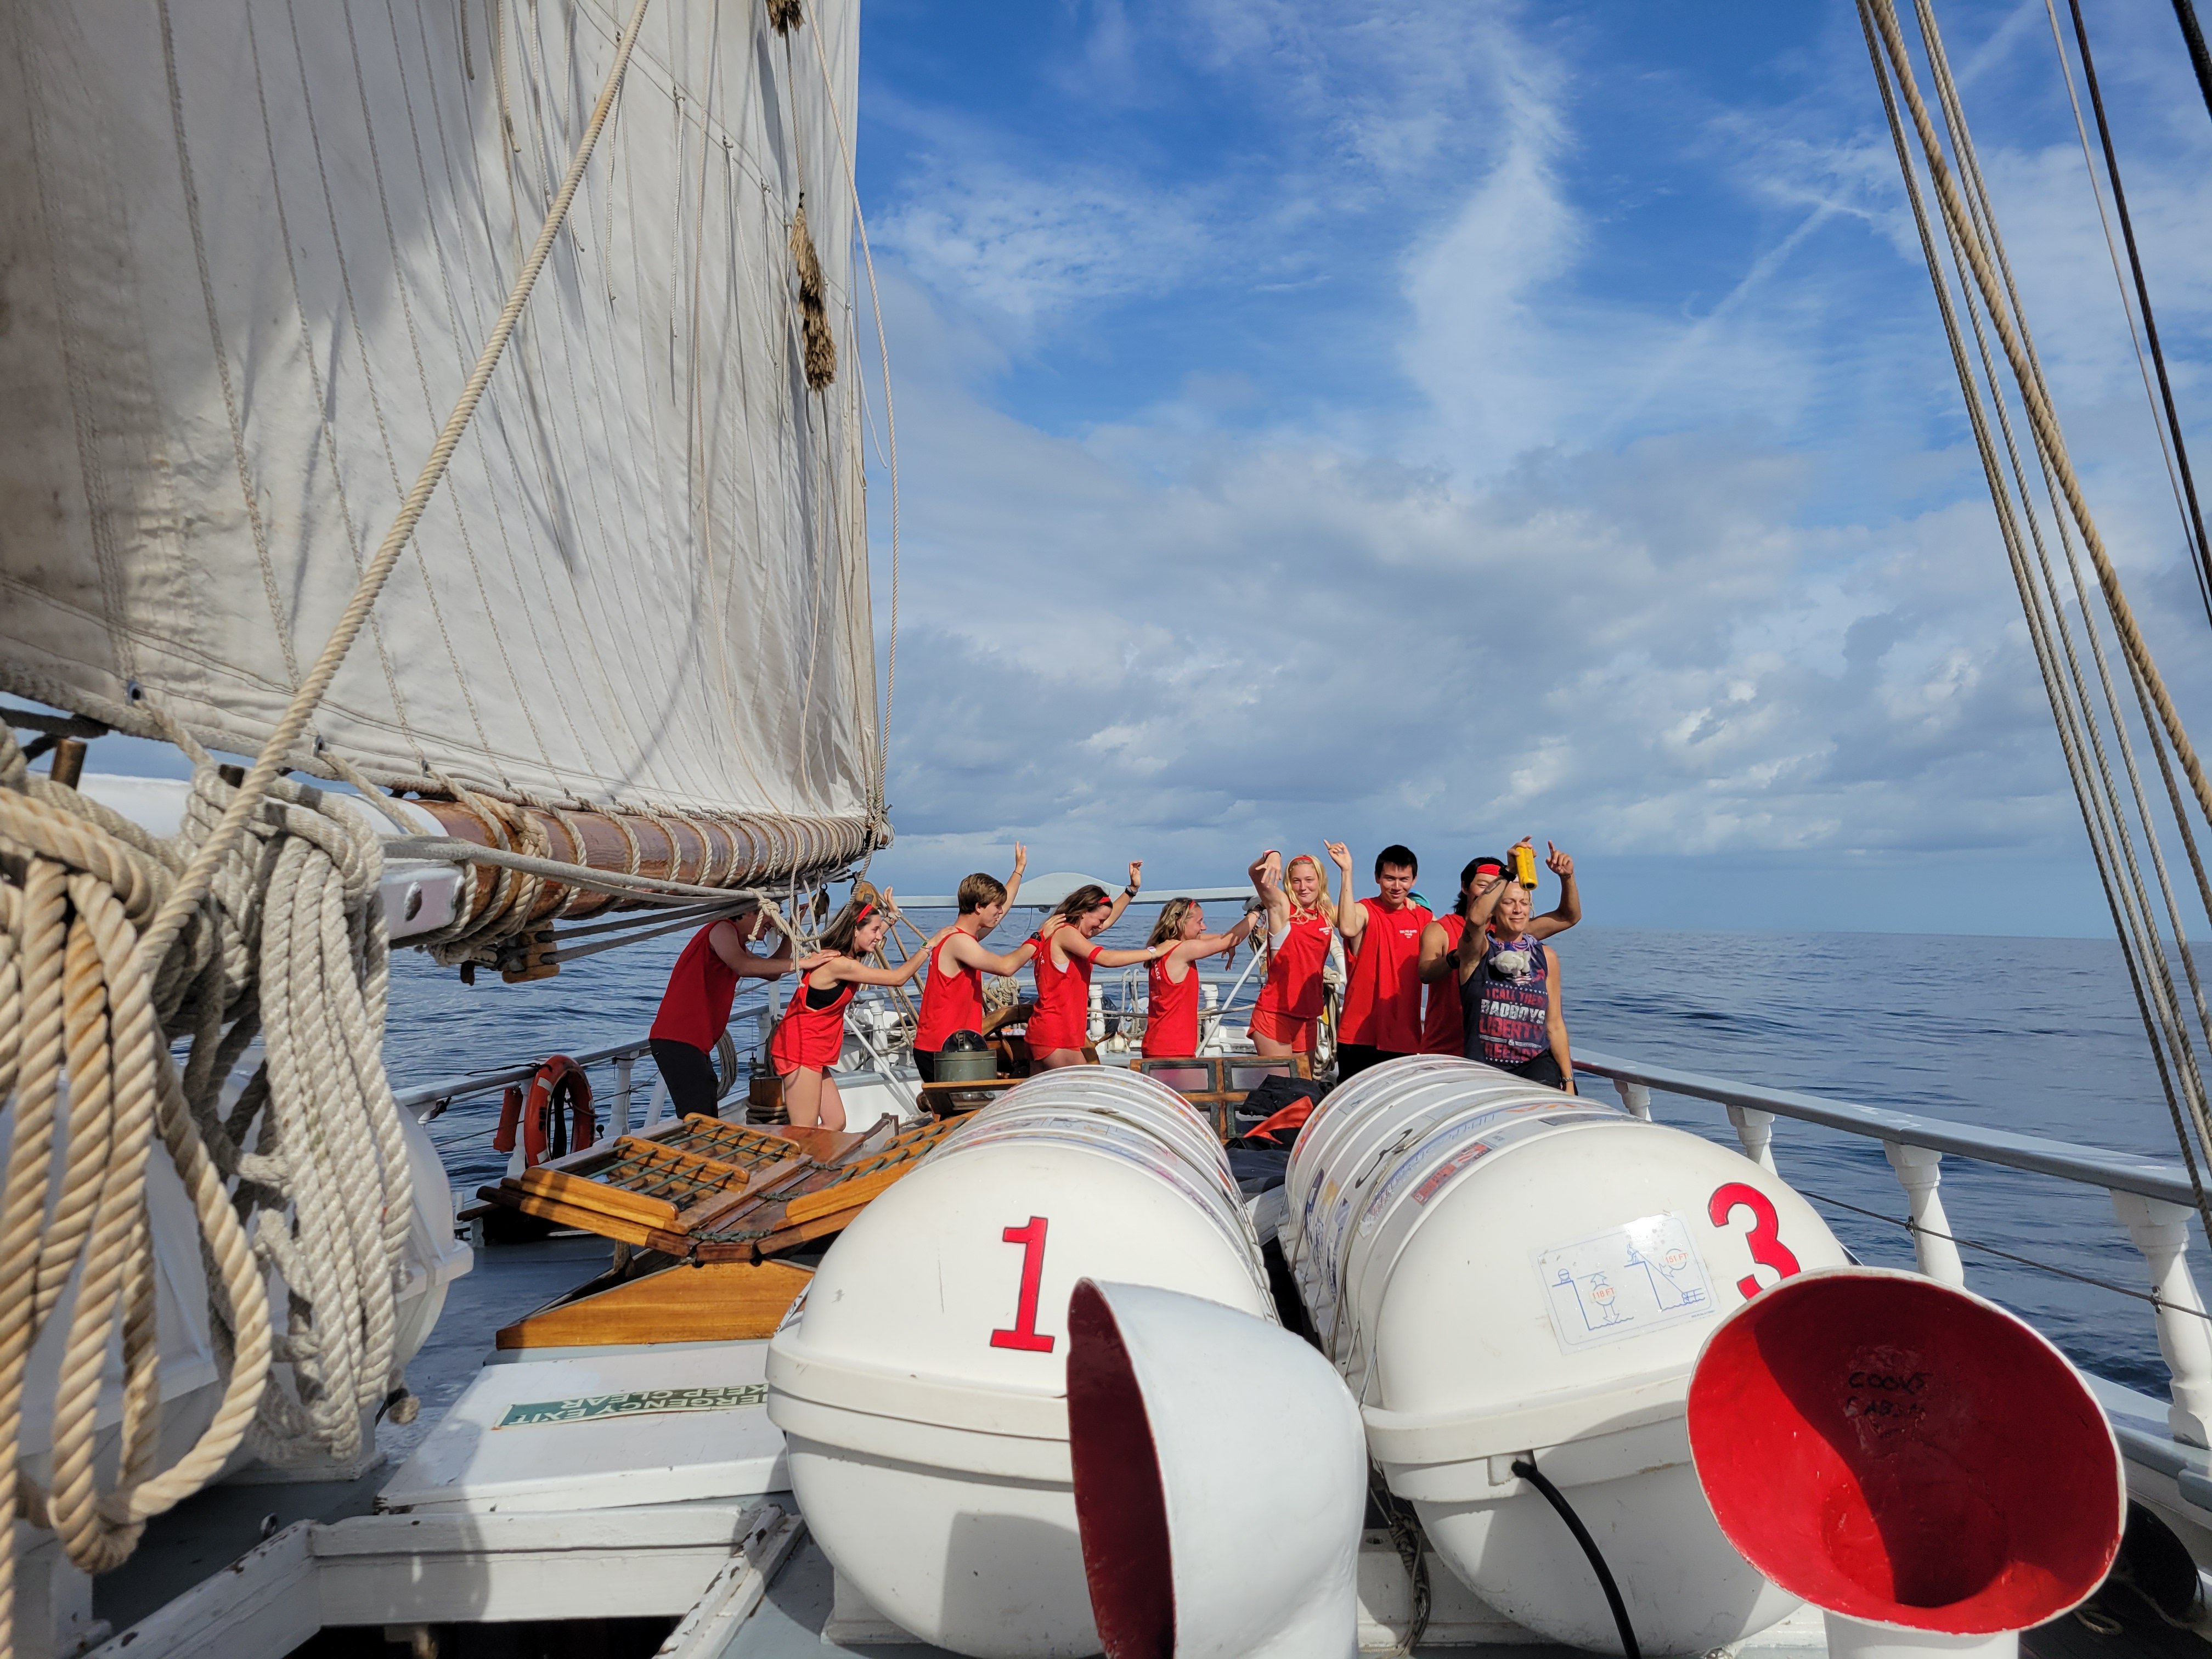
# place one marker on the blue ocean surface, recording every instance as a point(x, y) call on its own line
point(2039, 1036)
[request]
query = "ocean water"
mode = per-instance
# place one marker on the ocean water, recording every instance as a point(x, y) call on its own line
point(2036, 1036)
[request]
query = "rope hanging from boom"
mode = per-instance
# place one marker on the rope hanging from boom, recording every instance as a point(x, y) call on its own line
point(2090, 729)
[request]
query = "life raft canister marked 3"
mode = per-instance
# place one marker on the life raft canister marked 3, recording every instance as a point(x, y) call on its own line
point(1500, 1270)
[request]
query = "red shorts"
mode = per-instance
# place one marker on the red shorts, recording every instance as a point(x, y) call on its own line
point(1045, 1033)
point(1281, 1028)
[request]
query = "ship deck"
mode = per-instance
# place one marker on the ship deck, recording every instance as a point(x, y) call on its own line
point(195, 1542)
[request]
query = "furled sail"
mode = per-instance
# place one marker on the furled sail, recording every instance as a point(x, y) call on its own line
point(253, 250)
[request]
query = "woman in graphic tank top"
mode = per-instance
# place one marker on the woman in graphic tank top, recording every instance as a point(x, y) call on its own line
point(1171, 1007)
point(812, 1033)
point(1058, 1023)
point(1511, 1000)
point(1288, 1009)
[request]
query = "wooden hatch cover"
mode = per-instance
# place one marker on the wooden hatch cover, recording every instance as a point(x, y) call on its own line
point(709, 1191)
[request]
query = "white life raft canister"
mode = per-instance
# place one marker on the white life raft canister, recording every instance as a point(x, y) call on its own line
point(1502, 1272)
point(920, 1383)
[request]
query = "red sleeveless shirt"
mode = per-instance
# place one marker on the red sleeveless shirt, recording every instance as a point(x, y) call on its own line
point(696, 1006)
point(1294, 990)
point(1171, 1012)
point(950, 1002)
point(1382, 998)
point(1442, 1028)
point(1061, 1019)
point(809, 1037)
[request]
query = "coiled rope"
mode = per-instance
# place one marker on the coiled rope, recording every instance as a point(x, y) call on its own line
point(256, 919)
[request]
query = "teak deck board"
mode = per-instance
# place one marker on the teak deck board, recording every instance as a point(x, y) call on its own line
point(711, 1301)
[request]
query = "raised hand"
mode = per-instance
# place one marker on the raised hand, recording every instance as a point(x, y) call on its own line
point(1559, 863)
point(1021, 858)
point(1136, 872)
point(1339, 855)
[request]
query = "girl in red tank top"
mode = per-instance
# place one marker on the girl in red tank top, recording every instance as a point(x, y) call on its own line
point(812, 1033)
point(1059, 1024)
point(1172, 1011)
point(1288, 1008)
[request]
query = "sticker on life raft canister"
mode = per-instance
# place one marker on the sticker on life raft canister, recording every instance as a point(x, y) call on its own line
point(1629, 1282)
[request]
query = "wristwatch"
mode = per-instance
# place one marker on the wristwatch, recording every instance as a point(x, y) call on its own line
point(1128, 892)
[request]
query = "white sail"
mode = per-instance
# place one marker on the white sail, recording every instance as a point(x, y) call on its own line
point(249, 249)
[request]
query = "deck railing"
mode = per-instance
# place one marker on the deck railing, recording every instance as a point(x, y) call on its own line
point(430, 1100)
point(2151, 1197)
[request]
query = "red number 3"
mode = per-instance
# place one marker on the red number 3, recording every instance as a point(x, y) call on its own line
point(1025, 1334)
point(1767, 1249)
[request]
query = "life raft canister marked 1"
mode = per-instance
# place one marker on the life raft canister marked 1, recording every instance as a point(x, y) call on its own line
point(921, 1390)
point(1499, 1271)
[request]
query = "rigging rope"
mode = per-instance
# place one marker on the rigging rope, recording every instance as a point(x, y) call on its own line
point(1978, 253)
point(2192, 524)
point(2185, 13)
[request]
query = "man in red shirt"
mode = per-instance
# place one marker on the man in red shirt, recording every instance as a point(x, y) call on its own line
point(1382, 1017)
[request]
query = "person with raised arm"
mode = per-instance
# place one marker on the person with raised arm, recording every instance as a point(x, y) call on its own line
point(1287, 1012)
point(1509, 989)
point(1443, 1026)
point(1171, 1007)
point(1059, 1022)
point(952, 995)
point(812, 1033)
point(695, 1009)
point(1382, 1017)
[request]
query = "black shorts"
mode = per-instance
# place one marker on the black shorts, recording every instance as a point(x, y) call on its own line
point(1353, 1058)
point(1544, 1069)
point(690, 1074)
point(924, 1061)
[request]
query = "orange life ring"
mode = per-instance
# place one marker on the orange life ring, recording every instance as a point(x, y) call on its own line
point(535, 1116)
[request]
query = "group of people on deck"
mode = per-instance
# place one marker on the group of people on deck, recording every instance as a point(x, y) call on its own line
point(1479, 981)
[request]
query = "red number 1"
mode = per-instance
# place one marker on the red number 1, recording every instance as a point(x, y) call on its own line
point(1767, 1249)
point(1025, 1334)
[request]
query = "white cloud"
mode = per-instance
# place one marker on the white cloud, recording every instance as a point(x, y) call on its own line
point(1641, 574)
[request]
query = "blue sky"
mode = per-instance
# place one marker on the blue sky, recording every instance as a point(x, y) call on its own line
point(1439, 422)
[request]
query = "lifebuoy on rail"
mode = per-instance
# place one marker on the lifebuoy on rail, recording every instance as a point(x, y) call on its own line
point(560, 1081)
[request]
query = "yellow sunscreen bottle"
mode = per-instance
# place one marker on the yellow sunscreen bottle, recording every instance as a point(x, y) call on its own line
point(1524, 866)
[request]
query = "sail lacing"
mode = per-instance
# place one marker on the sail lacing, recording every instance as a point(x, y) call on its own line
point(1986, 290)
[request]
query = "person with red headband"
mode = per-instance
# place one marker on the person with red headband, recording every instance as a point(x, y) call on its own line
point(1300, 924)
point(695, 1009)
point(1060, 1024)
point(1382, 1017)
point(1480, 888)
point(952, 995)
point(812, 1033)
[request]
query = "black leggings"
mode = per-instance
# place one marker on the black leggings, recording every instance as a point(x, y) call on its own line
point(690, 1075)
point(1544, 1069)
point(924, 1061)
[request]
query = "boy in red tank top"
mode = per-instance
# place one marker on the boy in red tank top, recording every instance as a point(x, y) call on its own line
point(953, 996)
point(1382, 1017)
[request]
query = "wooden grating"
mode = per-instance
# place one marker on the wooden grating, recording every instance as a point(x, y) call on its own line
point(711, 1191)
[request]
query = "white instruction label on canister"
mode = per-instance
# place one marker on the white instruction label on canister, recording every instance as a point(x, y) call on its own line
point(1634, 1279)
